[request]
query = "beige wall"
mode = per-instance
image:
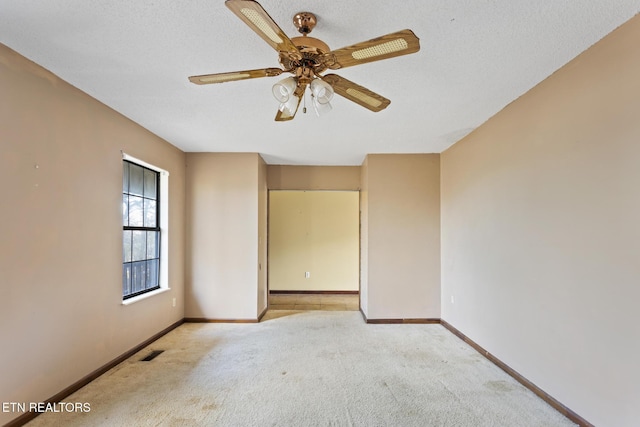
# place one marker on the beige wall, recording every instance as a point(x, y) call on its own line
point(401, 230)
point(222, 258)
point(541, 235)
point(315, 232)
point(61, 312)
point(284, 177)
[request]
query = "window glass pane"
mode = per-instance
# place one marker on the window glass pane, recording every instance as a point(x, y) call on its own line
point(152, 244)
point(125, 210)
point(150, 213)
point(126, 279)
point(135, 211)
point(126, 246)
point(139, 246)
point(138, 276)
point(152, 273)
point(136, 179)
point(125, 177)
point(150, 184)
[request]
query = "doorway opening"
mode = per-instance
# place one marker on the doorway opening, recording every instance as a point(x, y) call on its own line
point(313, 250)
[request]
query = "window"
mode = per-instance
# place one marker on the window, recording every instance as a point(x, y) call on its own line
point(141, 233)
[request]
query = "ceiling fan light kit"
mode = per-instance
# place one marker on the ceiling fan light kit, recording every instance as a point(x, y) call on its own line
point(307, 58)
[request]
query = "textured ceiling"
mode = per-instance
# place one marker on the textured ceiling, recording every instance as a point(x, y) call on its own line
point(476, 57)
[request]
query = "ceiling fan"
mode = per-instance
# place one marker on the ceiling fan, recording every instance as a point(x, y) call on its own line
point(307, 58)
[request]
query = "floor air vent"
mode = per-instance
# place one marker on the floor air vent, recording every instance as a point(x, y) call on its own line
point(151, 355)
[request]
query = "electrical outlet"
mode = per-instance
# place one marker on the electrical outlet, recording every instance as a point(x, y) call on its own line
point(174, 302)
point(307, 274)
point(452, 300)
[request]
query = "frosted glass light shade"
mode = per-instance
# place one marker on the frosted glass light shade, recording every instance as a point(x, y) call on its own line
point(283, 90)
point(321, 90)
point(289, 107)
point(319, 108)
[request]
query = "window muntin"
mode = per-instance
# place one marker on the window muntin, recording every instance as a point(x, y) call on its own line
point(141, 229)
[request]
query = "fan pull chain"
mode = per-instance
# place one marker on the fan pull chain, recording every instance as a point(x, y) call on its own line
point(304, 105)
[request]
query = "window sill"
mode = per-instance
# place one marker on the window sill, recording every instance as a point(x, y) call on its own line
point(130, 301)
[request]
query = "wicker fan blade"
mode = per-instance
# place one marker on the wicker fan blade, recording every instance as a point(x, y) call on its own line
point(356, 93)
point(259, 20)
point(235, 75)
point(391, 45)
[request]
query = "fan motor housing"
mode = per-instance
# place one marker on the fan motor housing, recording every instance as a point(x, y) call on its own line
point(310, 44)
point(312, 51)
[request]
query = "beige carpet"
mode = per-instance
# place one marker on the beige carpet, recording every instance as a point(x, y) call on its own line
point(317, 368)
